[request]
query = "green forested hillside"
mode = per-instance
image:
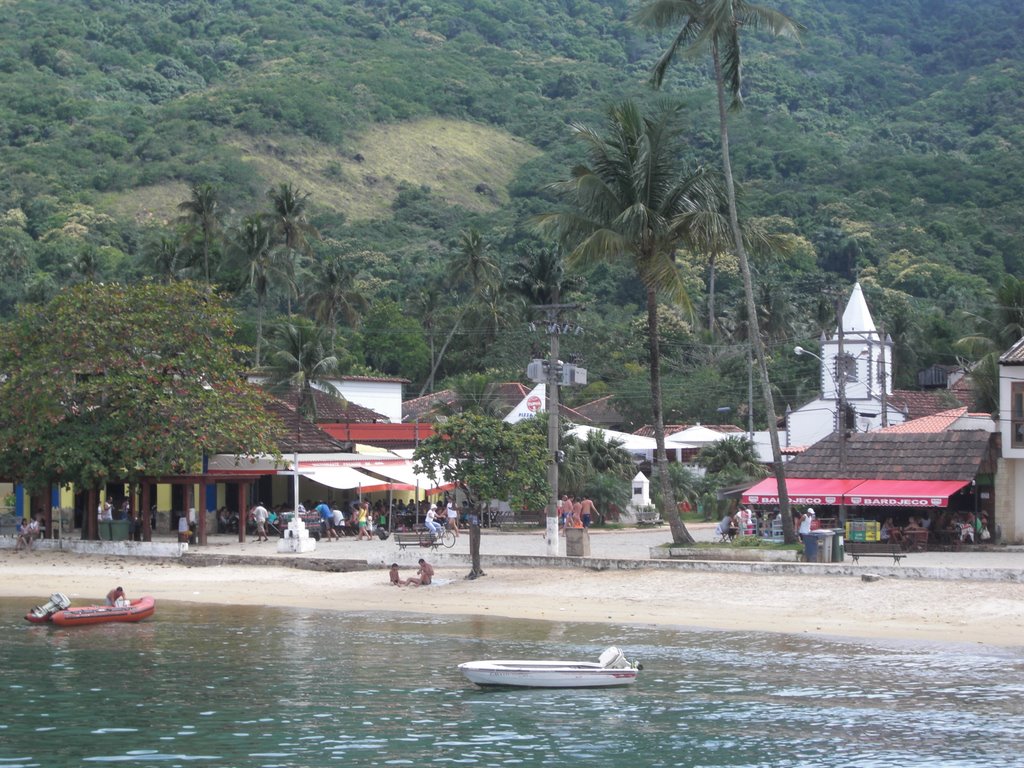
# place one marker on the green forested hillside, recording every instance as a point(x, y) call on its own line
point(886, 143)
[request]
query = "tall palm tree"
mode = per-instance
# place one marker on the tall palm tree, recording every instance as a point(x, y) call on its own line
point(251, 246)
point(539, 276)
point(713, 26)
point(288, 220)
point(334, 294)
point(289, 209)
point(162, 257)
point(201, 214)
point(637, 200)
point(300, 363)
point(472, 262)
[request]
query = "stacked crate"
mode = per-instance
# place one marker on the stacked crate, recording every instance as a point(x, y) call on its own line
point(863, 530)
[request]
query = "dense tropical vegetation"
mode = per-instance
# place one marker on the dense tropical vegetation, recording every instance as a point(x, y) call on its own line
point(377, 164)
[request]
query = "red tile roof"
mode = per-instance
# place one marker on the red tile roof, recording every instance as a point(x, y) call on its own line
point(937, 422)
point(917, 404)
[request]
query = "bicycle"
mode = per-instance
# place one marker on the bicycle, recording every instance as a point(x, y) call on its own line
point(447, 538)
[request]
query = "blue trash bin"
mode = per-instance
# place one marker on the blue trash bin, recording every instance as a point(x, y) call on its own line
point(810, 547)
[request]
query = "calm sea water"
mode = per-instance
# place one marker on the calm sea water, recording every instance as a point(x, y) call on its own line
point(204, 686)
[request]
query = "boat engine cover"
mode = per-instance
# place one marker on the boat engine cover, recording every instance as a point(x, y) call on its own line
point(613, 658)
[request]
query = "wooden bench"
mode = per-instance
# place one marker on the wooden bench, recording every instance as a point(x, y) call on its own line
point(416, 538)
point(857, 550)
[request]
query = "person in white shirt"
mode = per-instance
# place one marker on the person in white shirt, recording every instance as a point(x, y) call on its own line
point(259, 515)
point(431, 521)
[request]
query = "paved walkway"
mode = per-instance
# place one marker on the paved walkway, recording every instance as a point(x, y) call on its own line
point(610, 545)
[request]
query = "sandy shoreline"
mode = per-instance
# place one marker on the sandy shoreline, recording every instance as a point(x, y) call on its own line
point(986, 613)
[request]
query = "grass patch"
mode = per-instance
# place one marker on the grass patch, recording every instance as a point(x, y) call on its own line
point(464, 164)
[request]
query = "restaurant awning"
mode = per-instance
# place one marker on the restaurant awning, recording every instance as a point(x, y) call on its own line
point(802, 490)
point(904, 493)
point(856, 493)
point(345, 478)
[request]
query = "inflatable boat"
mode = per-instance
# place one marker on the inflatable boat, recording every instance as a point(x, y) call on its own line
point(58, 611)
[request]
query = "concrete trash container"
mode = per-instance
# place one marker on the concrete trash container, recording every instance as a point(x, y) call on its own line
point(838, 545)
point(119, 530)
point(577, 542)
point(824, 538)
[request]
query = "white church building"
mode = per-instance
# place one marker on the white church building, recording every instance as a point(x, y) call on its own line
point(855, 366)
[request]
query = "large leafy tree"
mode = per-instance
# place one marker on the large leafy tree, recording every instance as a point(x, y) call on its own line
point(636, 200)
point(713, 27)
point(113, 382)
point(494, 460)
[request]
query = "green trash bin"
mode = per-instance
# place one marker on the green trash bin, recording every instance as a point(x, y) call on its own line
point(103, 529)
point(120, 530)
point(838, 545)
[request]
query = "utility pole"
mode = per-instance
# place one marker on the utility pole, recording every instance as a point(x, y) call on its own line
point(554, 375)
point(840, 380)
point(551, 524)
point(881, 375)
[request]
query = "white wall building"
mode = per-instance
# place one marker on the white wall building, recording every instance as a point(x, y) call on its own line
point(1009, 490)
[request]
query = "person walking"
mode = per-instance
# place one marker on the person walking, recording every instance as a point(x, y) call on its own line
point(259, 516)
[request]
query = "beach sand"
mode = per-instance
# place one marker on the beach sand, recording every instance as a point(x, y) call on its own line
point(986, 613)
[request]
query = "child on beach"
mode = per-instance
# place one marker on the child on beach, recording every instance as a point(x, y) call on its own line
point(396, 580)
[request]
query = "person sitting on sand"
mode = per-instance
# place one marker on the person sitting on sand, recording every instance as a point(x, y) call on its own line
point(396, 580)
point(115, 597)
point(23, 536)
point(426, 573)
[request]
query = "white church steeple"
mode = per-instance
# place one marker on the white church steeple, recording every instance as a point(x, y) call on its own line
point(866, 365)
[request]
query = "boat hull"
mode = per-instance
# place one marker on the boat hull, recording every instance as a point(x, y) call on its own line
point(521, 673)
point(137, 610)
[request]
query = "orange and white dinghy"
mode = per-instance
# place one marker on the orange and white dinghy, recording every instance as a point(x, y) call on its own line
point(59, 611)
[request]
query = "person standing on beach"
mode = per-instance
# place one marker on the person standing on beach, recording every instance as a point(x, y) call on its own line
point(587, 511)
point(327, 521)
point(453, 519)
point(259, 516)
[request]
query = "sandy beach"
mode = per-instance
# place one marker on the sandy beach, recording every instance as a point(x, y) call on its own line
point(987, 613)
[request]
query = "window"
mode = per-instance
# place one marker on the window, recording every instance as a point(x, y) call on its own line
point(1017, 414)
point(846, 365)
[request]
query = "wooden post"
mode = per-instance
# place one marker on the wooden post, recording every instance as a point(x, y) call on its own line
point(201, 514)
point(243, 510)
point(147, 516)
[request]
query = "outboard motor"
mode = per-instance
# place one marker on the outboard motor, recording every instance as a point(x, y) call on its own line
point(613, 658)
point(57, 602)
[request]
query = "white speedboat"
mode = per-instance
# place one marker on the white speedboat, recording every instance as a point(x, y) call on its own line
point(611, 669)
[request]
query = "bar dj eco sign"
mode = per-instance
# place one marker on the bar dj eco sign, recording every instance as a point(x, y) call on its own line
point(905, 501)
point(822, 500)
